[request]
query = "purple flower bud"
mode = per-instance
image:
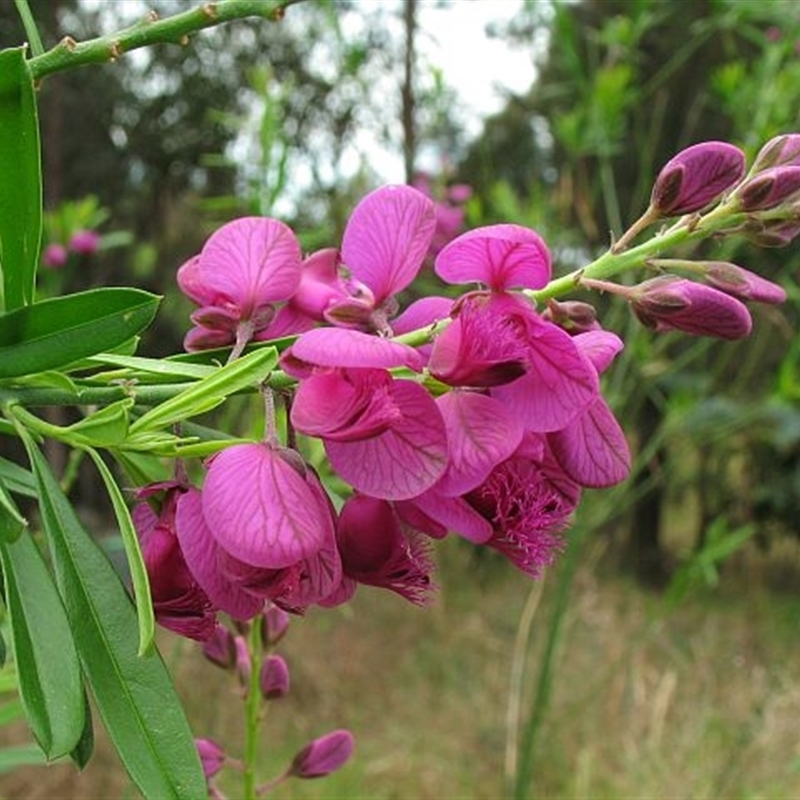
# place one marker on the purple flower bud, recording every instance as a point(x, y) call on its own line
point(777, 152)
point(771, 233)
point(739, 282)
point(324, 755)
point(243, 664)
point(84, 242)
point(769, 188)
point(212, 756)
point(274, 678)
point(572, 315)
point(54, 256)
point(672, 303)
point(697, 176)
point(275, 622)
point(220, 648)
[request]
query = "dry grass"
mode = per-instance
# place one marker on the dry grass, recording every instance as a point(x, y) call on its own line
point(701, 701)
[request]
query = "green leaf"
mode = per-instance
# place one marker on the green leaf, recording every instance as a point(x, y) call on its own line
point(17, 479)
point(48, 670)
point(105, 428)
point(246, 372)
point(25, 755)
point(12, 523)
point(83, 750)
point(135, 696)
point(56, 332)
point(161, 367)
point(21, 183)
point(141, 584)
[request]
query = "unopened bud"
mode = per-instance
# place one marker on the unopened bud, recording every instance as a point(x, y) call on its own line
point(323, 755)
point(697, 176)
point(219, 648)
point(274, 624)
point(572, 315)
point(212, 756)
point(779, 151)
point(771, 233)
point(769, 188)
point(243, 663)
point(672, 303)
point(55, 256)
point(274, 678)
point(739, 282)
point(84, 242)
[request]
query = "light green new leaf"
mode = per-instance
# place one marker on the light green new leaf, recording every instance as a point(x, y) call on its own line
point(105, 428)
point(134, 695)
point(20, 180)
point(57, 332)
point(48, 670)
point(243, 373)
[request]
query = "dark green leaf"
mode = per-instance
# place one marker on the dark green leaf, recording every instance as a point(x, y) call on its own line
point(57, 332)
point(20, 183)
point(135, 696)
point(16, 478)
point(48, 671)
point(82, 751)
point(12, 523)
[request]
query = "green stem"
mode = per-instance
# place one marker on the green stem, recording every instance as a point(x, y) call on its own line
point(610, 264)
point(175, 30)
point(253, 712)
point(31, 30)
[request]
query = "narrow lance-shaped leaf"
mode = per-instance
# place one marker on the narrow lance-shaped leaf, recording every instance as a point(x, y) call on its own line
point(57, 332)
point(141, 584)
point(20, 180)
point(48, 669)
point(12, 523)
point(244, 372)
point(135, 696)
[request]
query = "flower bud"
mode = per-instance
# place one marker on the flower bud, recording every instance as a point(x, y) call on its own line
point(672, 303)
point(572, 315)
point(697, 176)
point(324, 755)
point(274, 624)
point(779, 151)
point(220, 648)
point(769, 188)
point(212, 756)
point(771, 233)
point(274, 678)
point(739, 282)
point(243, 664)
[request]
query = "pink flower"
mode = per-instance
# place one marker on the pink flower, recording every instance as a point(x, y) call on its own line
point(55, 256)
point(324, 755)
point(179, 603)
point(382, 435)
point(244, 269)
point(520, 509)
point(779, 151)
point(262, 529)
point(383, 247)
point(696, 176)
point(741, 283)
point(378, 549)
point(769, 188)
point(212, 756)
point(84, 242)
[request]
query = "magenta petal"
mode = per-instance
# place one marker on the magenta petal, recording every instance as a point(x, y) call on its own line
point(403, 461)
point(455, 514)
point(253, 261)
point(500, 256)
point(260, 508)
point(558, 385)
point(340, 347)
point(592, 449)
point(387, 237)
point(202, 555)
point(481, 433)
point(422, 313)
point(599, 346)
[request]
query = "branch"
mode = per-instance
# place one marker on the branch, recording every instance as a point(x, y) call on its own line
point(172, 30)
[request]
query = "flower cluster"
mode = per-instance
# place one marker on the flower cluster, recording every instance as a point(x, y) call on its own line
point(480, 416)
point(81, 243)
